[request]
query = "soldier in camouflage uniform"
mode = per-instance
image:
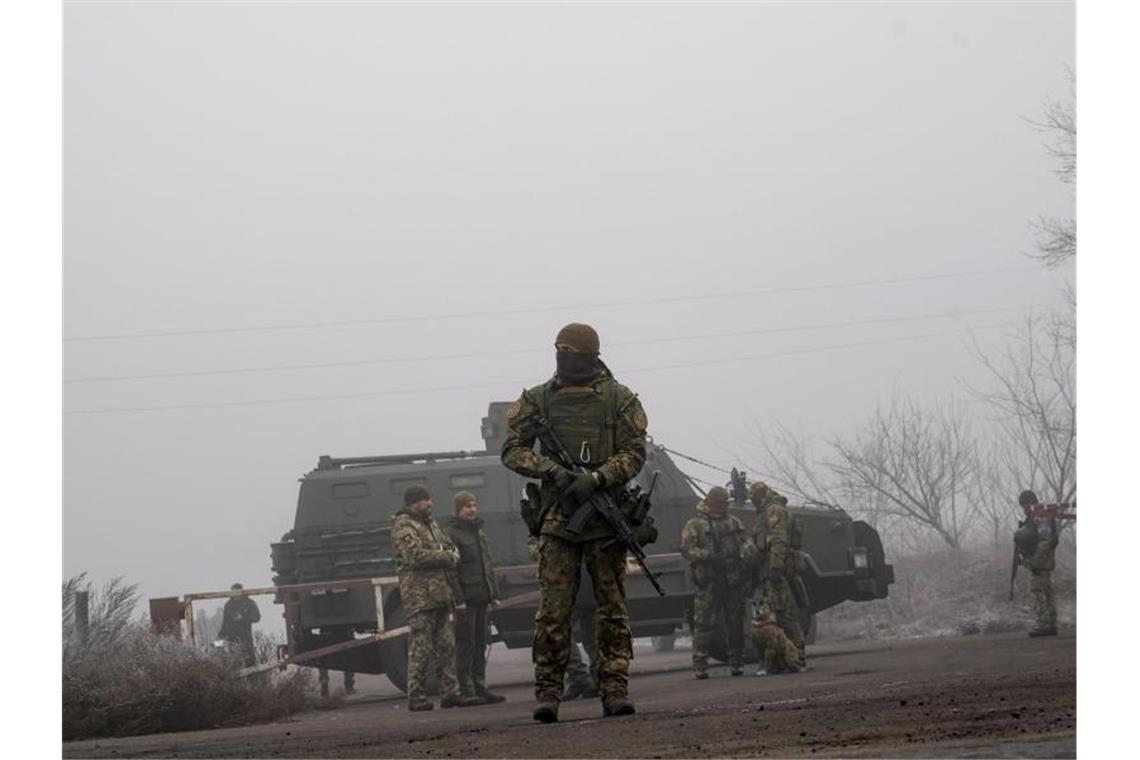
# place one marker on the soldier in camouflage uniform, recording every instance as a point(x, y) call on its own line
point(425, 562)
point(1040, 536)
point(602, 425)
point(776, 570)
point(720, 556)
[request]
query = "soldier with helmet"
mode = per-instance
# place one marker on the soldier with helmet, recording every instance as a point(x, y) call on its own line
point(720, 555)
point(778, 585)
point(1036, 541)
point(602, 425)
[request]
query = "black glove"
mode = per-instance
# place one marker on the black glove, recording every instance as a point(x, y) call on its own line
point(562, 477)
point(581, 487)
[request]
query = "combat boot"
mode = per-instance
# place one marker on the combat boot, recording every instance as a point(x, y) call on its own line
point(1043, 632)
point(491, 698)
point(458, 700)
point(736, 670)
point(416, 705)
point(546, 711)
point(700, 675)
point(617, 704)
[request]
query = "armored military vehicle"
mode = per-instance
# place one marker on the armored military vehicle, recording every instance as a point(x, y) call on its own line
point(342, 531)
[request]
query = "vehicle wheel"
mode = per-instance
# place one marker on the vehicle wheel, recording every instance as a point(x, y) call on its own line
point(394, 652)
point(664, 643)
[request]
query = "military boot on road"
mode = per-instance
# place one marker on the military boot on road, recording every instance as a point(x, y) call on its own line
point(546, 711)
point(616, 705)
point(417, 705)
point(491, 698)
point(1043, 632)
point(458, 700)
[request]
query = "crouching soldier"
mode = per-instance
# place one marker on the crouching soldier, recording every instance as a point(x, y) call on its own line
point(425, 562)
point(720, 553)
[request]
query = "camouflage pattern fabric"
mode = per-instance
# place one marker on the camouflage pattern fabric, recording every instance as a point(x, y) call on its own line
point(431, 642)
point(778, 653)
point(578, 672)
point(1044, 604)
point(471, 649)
point(709, 605)
point(720, 556)
point(601, 424)
point(1040, 564)
point(559, 575)
point(425, 562)
point(777, 566)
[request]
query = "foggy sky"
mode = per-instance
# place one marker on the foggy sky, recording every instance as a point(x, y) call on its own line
point(255, 165)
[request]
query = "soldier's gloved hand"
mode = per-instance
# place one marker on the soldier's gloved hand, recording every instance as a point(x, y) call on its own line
point(562, 477)
point(582, 486)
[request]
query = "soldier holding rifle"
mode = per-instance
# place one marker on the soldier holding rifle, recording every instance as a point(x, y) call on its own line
point(591, 435)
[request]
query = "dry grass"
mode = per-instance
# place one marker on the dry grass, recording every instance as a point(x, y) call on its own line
point(951, 593)
point(125, 680)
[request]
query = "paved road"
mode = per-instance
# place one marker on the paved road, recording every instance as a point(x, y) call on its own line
point(994, 696)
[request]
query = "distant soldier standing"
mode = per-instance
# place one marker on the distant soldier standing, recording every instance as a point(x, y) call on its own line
point(479, 588)
point(425, 561)
point(602, 425)
point(1036, 540)
point(720, 556)
point(777, 577)
point(238, 616)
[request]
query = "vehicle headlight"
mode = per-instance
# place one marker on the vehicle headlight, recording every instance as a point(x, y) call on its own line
point(859, 559)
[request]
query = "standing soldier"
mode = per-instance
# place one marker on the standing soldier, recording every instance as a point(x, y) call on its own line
point(602, 425)
point(777, 578)
point(479, 588)
point(720, 555)
point(238, 616)
point(1036, 539)
point(425, 562)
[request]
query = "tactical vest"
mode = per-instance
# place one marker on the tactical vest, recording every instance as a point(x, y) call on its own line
point(583, 417)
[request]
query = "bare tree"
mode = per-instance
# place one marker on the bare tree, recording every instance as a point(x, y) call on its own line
point(916, 463)
point(1034, 404)
point(1057, 237)
point(788, 460)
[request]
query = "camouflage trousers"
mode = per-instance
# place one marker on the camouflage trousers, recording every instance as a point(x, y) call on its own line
point(1044, 604)
point(578, 673)
point(782, 603)
point(471, 650)
point(559, 575)
point(778, 654)
point(709, 604)
point(431, 641)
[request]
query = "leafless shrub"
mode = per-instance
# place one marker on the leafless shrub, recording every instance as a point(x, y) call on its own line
point(1056, 237)
point(125, 680)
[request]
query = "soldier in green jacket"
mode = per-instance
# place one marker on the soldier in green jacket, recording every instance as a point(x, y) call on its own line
point(478, 588)
point(720, 556)
point(1040, 536)
point(777, 569)
point(602, 425)
point(425, 562)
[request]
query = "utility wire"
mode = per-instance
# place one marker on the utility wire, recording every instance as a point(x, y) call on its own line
point(537, 309)
point(409, 391)
point(509, 352)
point(694, 459)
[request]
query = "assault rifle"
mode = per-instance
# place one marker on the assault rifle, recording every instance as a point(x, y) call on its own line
point(1054, 511)
point(600, 502)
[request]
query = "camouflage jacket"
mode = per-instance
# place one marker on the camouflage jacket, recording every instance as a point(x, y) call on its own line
point(774, 534)
point(718, 549)
point(1043, 557)
point(602, 425)
point(476, 569)
point(425, 561)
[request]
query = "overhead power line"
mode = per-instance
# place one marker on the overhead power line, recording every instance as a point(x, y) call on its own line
point(509, 352)
point(506, 384)
point(538, 309)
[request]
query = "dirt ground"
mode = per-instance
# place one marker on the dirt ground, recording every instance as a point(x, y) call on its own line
point(978, 696)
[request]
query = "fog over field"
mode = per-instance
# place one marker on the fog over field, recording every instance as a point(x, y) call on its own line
point(301, 229)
